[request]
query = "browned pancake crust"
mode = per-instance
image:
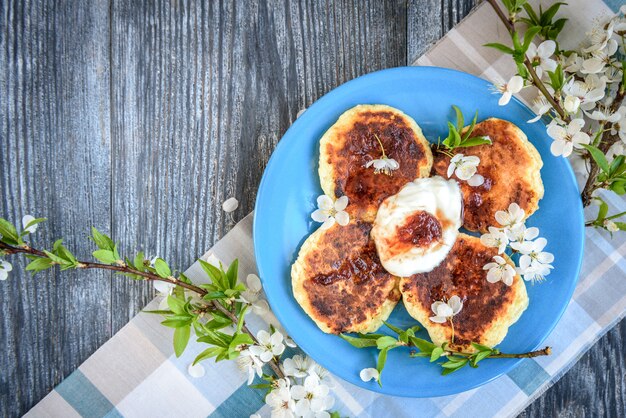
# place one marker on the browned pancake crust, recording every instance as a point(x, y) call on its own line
point(339, 281)
point(354, 144)
point(511, 169)
point(488, 308)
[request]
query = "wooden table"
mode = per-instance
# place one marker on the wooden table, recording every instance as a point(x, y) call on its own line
point(142, 117)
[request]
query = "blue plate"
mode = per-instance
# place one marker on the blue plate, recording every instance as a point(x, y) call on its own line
point(290, 186)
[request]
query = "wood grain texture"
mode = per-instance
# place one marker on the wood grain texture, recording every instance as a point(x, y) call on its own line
point(201, 92)
point(54, 162)
point(422, 33)
point(143, 117)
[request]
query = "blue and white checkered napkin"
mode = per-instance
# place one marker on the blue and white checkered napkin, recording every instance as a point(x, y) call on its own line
point(136, 373)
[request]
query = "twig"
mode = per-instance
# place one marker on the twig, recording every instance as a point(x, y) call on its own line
point(546, 351)
point(510, 25)
point(25, 249)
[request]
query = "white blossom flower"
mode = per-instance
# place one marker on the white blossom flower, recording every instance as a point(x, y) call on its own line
point(289, 342)
point(251, 296)
point(520, 234)
point(230, 205)
point(610, 226)
point(445, 310)
point(464, 167)
point(511, 217)
point(499, 270)
point(534, 263)
point(599, 37)
point(565, 140)
point(297, 366)
point(255, 416)
point(330, 212)
point(495, 238)
point(322, 374)
point(619, 127)
point(540, 107)
point(588, 92)
point(312, 398)
point(573, 63)
point(281, 400)
point(269, 345)
point(25, 221)
point(571, 104)
point(5, 268)
point(383, 164)
point(368, 374)
point(540, 56)
point(514, 85)
point(196, 370)
point(250, 363)
point(604, 114)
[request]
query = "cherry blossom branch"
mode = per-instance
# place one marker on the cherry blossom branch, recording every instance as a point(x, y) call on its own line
point(510, 25)
point(124, 268)
point(546, 351)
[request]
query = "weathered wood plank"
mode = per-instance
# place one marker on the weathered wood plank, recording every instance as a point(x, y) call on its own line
point(201, 93)
point(54, 162)
point(429, 20)
point(594, 387)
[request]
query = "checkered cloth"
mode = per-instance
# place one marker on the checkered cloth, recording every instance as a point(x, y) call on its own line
point(136, 373)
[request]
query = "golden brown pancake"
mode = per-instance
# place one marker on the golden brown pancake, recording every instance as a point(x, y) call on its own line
point(511, 168)
point(488, 308)
point(339, 281)
point(351, 143)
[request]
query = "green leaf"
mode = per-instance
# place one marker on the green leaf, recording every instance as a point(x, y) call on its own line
point(548, 15)
point(454, 364)
point(621, 225)
point(459, 118)
point(215, 295)
point(386, 341)
point(456, 137)
point(239, 339)
point(380, 364)
point(529, 36)
point(481, 347)
point(436, 353)
point(215, 274)
point(208, 353)
point(422, 345)
point(55, 258)
point(335, 414)
point(162, 268)
point(176, 305)
point(598, 156)
point(181, 338)
point(393, 328)
point(604, 209)
point(8, 232)
point(475, 141)
point(105, 256)
point(240, 321)
point(481, 355)
point(138, 261)
point(531, 13)
point(500, 47)
point(159, 312)
point(216, 338)
point(231, 274)
point(176, 323)
point(39, 264)
point(359, 342)
point(101, 240)
point(66, 254)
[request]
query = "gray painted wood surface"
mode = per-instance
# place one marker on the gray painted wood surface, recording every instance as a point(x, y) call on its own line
point(141, 118)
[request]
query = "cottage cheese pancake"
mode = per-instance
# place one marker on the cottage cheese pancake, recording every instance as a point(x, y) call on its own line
point(489, 309)
point(339, 281)
point(511, 167)
point(353, 142)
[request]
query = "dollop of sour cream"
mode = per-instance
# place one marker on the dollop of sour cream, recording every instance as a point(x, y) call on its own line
point(415, 229)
